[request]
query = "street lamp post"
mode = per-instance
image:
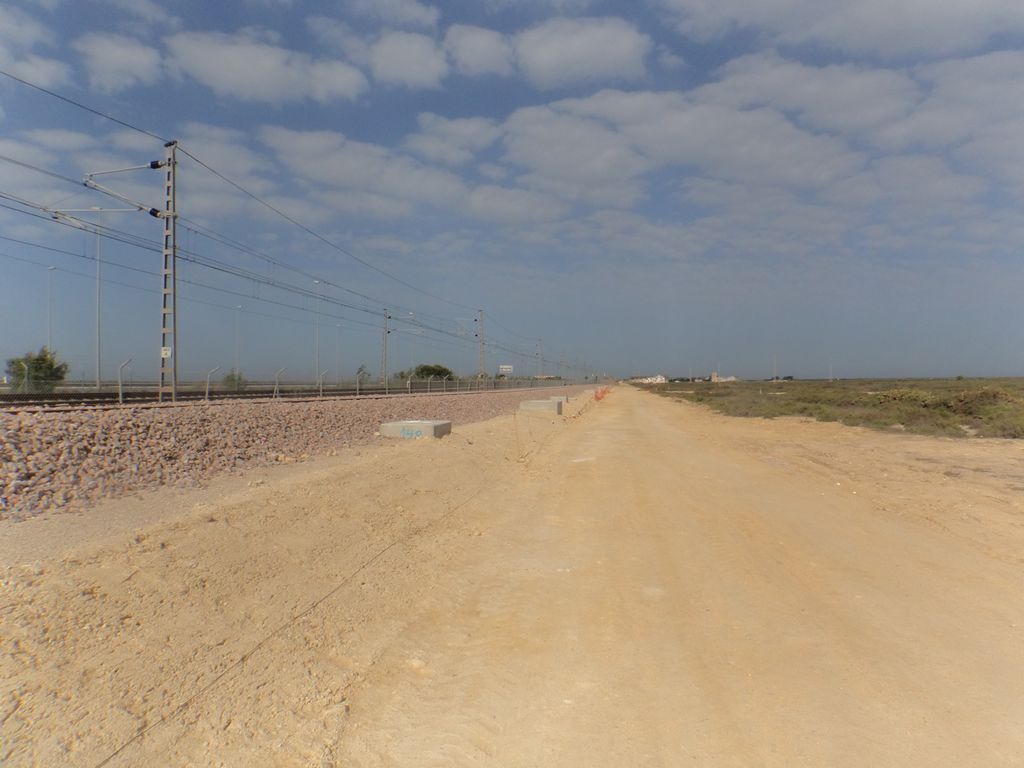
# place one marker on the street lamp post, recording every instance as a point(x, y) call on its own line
point(316, 331)
point(238, 325)
point(49, 308)
point(337, 379)
point(97, 310)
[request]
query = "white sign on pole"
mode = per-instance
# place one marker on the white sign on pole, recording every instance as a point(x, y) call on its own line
point(165, 352)
point(505, 369)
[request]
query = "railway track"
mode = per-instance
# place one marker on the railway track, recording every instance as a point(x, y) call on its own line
point(105, 399)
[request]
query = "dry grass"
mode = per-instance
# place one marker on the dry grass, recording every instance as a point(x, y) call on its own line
point(953, 407)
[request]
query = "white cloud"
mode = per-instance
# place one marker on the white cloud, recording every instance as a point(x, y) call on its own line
point(563, 52)
point(59, 139)
point(965, 96)
point(492, 171)
point(558, 6)
point(226, 148)
point(479, 51)
point(408, 59)
point(842, 99)
point(452, 142)
point(908, 189)
point(19, 29)
point(330, 158)
point(926, 184)
point(757, 146)
point(135, 142)
point(116, 62)
point(38, 70)
point(402, 13)
point(888, 27)
point(28, 153)
point(20, 33)
point(513, 206)
point(574, 157)
point(357, 203)
point(251, 70)
point(24, 181)
point(670, 61)
point(339, 36)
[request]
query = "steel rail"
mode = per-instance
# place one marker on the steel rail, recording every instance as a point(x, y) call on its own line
point(108, 400)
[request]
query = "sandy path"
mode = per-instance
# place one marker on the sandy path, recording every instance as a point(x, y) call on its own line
point(649, 584)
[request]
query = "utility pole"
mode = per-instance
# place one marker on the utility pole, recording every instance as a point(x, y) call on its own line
point(481, 363)
point(169, 274)
point(384, 353)
point(238, 335)
point(316, 333)
point(97, 309)
point(49, 308)
point(337, 378)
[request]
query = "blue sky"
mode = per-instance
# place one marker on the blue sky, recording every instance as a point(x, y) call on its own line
point(648, 186)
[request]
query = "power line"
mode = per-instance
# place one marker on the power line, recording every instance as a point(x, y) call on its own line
point(318, 236)
point(210, 263)
point(219, 266)
point(190, 299)
point(286, 287)
point(44, 171)
point(225, 240)
point(80, 105)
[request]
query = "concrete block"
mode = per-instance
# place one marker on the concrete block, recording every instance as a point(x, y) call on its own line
point(415, 429)
point(549, 406)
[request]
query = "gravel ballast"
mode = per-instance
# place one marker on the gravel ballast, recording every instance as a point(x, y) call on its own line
point(68, 460)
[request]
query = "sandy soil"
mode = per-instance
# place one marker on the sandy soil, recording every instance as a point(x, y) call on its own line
point(646, 584)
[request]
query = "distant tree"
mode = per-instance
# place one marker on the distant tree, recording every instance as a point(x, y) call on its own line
point(234, 381)
point(432, 369)
point(39, 372)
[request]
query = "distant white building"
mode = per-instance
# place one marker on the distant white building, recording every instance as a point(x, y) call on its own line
point(659, 379)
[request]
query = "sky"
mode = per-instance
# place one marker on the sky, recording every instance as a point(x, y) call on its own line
point(641, 187)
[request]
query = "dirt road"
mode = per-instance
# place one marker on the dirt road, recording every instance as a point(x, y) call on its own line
point(647, 585)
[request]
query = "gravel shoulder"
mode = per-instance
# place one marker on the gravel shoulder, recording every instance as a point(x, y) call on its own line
point(67, 461)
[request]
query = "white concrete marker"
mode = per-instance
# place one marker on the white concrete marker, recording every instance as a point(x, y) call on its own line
point(414, 430)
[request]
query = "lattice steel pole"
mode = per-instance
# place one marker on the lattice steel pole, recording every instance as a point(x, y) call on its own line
point(168, 297)
point(384, 353)
point(481, 363)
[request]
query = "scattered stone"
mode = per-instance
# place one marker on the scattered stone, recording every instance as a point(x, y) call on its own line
point(69, 460)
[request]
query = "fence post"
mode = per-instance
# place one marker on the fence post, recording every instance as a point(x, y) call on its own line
point(208, 375)
point(120, 388)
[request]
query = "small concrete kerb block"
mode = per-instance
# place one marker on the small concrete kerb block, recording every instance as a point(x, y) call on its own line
point(414, 430)
point(549, 406)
